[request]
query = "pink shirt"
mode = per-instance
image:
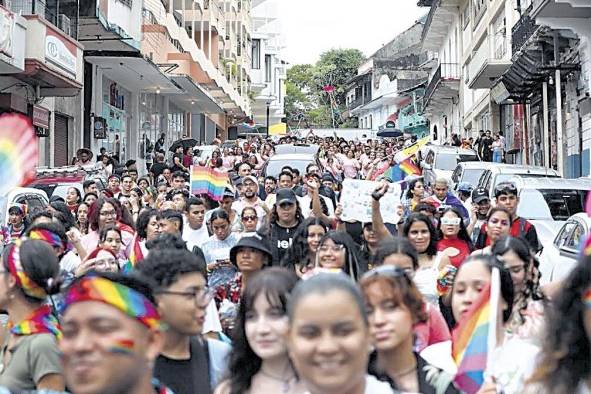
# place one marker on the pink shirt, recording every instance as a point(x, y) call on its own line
point(350, 167)
point(434, 330)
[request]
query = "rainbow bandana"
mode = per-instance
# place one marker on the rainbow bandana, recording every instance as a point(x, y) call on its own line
point(40, 322)
point(48, 236)
point(15, 268)
point(127, 300)
point(587, 298)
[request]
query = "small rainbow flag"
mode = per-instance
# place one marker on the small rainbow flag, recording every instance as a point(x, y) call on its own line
point(470, 344)
point(123, 346)
point(400, 171)
point(135, 255)
point(208, 181)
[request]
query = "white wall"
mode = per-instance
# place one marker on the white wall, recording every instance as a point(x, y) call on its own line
point(129, 19)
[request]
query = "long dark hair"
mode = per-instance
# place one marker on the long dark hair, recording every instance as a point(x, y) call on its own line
point(564, 360)
point(297, 256)
point(352, 265)
point(275, 284)
point(419, 217)
point(396, 245)
point(463, 233)
point(411, 186)
point(94, 211)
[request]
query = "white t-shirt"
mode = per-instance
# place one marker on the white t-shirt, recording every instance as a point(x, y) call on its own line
point(70, 261)
point(195, 237)
point(373, 386)
point(239, 206)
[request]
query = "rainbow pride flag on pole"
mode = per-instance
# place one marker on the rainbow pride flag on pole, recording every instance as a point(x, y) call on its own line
point(208, 181)
point(401, 170)
point(474, 339)
point(135, 255)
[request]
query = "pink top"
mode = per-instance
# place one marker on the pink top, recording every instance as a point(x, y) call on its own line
point(434, 330)
point(90, 242)
point(350, 167)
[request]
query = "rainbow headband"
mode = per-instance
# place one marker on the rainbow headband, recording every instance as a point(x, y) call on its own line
point(127, 300)
point(15, 267)
point(587, 298)
point(48, 236)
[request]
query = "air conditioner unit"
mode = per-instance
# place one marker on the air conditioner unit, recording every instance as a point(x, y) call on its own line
point(63, 23)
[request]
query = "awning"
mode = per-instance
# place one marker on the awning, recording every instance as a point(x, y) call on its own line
point(135, 73)
point(195, 95)
point(51, 82)
point(387, 99)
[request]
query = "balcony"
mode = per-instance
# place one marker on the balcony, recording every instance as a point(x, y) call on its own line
point(358, 102)
point(488, 62)
point(568, 9)
point(444, 85)
point(521, 33)
point(66, 20)
point(439, 21)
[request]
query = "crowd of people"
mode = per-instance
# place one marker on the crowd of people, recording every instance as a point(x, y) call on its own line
point(143, 287)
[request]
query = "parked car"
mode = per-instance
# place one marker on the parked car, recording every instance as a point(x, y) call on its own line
point(35, 200)
point(560, 256)
point(468, 171)
point(441, 161)
point(57, 181)
point(282, 149)
point(496, 173)
point(294, 160)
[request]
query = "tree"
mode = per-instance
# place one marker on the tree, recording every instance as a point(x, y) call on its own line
point(306, 100)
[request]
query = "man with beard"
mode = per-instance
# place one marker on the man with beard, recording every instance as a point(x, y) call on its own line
point(250, 198)
point(112, 335)
point(268, 188)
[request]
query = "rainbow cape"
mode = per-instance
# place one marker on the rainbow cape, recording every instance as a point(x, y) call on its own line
point(398, 172)
point(135, 255)
point(208, 181)
point(470, 345)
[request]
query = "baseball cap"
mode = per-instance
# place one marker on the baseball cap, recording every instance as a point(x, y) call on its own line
point(250, 178)
point(285, 195)
point(479, 195)
point(465, 187)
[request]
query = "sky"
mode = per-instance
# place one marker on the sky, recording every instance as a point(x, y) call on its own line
point(311, 27)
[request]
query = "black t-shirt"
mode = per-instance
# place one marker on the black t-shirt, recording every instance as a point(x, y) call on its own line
point(157, 169)
point(174, 167)
point(186, 376)
point(283, 237)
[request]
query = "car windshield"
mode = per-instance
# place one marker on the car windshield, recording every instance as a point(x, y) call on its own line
point(551, 204)
point(471, 176)
point(274, 167)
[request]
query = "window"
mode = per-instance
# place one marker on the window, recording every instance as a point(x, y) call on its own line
point(479, 9)
point(256, 55)
point(267, 68)
point(466, 17)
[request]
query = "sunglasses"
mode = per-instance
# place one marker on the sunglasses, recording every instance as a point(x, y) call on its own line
point(450, 221)
point(249, 218)
point(505, 188)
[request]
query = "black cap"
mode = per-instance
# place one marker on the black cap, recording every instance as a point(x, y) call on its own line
point(285, 195)
point(479, 195)
point(255, 242)
point(327, 177)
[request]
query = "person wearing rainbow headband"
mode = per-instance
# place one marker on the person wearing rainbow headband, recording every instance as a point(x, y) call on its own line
point(112, 335)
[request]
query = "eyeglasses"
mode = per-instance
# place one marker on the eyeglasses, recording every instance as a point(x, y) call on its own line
point(386, 270)
point(202, 295)
point(334, 248)
point(249, 218)
point(108, 213)
point(505, 188)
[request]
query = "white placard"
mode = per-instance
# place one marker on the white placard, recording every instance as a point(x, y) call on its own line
point(356, 201)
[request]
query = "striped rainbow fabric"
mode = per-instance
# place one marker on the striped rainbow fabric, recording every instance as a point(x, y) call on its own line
point(135, 255)
point(205, 180)
point(470, 345)
point(398, 172)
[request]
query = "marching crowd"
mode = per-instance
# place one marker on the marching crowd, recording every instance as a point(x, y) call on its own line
point(145, 288)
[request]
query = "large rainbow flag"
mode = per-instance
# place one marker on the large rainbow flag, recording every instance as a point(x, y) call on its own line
point(205, 180)
point(474, 339)
point(398, 172)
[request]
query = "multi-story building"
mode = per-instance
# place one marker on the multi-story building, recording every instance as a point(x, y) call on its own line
point(157, 67)
point(269, 70)
point(41, 72)
point(388, 88)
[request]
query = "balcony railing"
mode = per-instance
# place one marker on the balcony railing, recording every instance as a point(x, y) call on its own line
point(148, 17)
point(445, 72)
point(522, 31)
point(64, 20)
point(358, 102)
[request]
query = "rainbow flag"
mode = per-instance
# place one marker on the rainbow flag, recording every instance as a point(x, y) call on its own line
point(135, 255)
point(208, 181)
point(398, 172)
point(470, 344)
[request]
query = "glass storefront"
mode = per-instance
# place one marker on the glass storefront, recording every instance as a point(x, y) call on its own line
point(116, 101)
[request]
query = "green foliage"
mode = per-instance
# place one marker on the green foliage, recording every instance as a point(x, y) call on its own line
point(306, 103)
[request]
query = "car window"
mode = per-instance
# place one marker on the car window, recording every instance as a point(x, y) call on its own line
point(488, 182)
point(564, 235)
point(564, 203)
point(446, 161)
point(456, 174)
point(482, 179)
point(469, 157)
point(533, 206)
point(471, 176)
point(576, 237)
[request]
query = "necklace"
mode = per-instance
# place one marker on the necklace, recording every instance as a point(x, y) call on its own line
point(284, 381)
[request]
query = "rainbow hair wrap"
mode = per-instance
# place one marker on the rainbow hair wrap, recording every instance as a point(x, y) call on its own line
point(15, 267)
point(48, 236)
point(127, 300)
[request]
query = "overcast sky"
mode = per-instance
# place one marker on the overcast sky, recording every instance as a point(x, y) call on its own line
point(311, 27)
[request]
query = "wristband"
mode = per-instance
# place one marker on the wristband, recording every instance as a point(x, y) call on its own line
point(376, 196)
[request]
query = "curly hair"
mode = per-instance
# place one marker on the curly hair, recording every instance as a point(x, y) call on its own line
point(275, 284)
point(531, 291)
point(564, 360)
point(353, 265)
point(165, 266)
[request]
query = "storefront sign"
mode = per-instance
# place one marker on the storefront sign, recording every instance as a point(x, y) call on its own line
point(6, 31)
point(59, 51)
point(100, 128)
point(40, 116)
